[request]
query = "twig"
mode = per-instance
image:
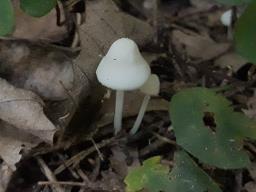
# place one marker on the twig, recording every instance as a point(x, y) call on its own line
point(164, 139)
point(97, 149)
point(57, 183)
point(49, 174)
point(76, 159)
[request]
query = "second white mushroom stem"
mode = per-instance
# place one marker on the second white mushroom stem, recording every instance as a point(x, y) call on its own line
point(118, 111)
point(140, 115)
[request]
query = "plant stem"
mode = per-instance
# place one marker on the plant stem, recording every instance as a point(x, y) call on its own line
point(118, 110)
point(140, 115)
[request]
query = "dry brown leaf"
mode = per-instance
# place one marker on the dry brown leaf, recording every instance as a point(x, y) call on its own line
point(197, 46)
point(33, 28)
point(230, 60)
point(12, 142)
point(250, 187)
point(24, 110)
point(5, 176)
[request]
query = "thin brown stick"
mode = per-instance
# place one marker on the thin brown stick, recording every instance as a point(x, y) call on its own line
point(49, 175)
point(70, 183)
point(76, 159)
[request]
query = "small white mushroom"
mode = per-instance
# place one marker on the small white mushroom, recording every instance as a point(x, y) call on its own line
point(150, 88)
point(122, 69)
point(226, 18)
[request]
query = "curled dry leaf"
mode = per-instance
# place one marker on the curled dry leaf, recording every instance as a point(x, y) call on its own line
point(24, 110)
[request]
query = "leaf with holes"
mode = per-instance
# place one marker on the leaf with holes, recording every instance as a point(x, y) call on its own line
point(233, 2)
point(6, 17)
point(245, 31)
point(205, 125)
point(185, 176)
point(37, 8)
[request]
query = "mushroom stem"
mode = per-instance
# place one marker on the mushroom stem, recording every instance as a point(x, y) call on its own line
point(118, 110)
point(140, 115)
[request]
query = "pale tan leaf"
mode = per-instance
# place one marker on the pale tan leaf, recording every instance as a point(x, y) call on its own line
point(197, 46)
point(24, 110)
point(5, 176)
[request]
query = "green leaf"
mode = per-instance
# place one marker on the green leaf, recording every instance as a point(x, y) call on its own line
point(233, 2)
point(222, 146)
point(37, 8)
point(6, 17)
point(151, 175)
point(186, 176)
point(245, 33)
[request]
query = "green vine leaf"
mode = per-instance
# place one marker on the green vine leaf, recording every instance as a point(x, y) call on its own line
point(186, 176)
point(245, 30)
point(6, 17)
point(37, 8)
point(206, 126)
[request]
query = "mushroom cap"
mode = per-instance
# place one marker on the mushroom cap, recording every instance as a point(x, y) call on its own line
point(151, 86)
point(123, 67)
point(226, 18)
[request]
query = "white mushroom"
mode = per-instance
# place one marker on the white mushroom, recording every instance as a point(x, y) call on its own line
point(226, 18)
point(122, 69)
point(150, 88)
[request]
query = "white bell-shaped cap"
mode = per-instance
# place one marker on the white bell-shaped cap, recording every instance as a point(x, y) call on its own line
point(226, 18)
point(123, 67)
point(151, 86)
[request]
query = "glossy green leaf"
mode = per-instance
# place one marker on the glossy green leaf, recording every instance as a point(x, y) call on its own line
point(6, 17)
point(186, 176)
point(37, 8)
point(233, 2)
point(245, 33)
point(219, 143)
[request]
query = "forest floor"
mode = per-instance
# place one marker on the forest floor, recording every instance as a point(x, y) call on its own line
point(190, 47)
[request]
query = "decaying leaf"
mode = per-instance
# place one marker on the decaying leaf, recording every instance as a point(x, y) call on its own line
point(197, 46)
point(24, 110)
